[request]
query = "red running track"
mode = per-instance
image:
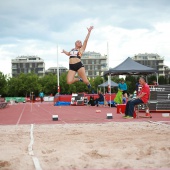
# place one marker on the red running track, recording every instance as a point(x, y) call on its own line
point(41, 113)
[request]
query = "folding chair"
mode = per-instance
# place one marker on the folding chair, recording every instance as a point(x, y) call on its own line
point(143, 106)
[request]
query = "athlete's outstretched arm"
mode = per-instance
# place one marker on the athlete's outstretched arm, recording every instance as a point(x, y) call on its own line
point(86, 39)
point(65, 52)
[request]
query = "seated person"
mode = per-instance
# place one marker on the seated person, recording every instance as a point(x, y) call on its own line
point(91, 101)
point(100, 99)
point(142, 97)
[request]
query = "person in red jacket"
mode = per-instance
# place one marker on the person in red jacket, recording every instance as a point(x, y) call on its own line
point(142, 97)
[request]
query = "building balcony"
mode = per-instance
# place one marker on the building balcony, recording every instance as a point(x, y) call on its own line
point(161, 74)
point(161, 69)
point(41, 72)
point(40, 66)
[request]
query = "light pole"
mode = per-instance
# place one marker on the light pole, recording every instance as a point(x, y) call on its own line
point(58, 84)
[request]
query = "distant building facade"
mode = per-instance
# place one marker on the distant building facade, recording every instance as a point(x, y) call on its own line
point(54, 70)
point(95, 64)
point(152, 60)
point(28, 64)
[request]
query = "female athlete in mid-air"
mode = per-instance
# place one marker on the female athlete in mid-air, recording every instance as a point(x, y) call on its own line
point(75, 64)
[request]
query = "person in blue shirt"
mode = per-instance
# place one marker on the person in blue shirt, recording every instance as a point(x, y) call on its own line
point(41, 95)
point(123, 87)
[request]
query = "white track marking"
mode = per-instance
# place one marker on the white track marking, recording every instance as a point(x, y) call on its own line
point(30, 150)
point(20, 115)
point(52, 114)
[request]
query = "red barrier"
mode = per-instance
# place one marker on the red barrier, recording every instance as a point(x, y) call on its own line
point(37, 99)
point(67, 98)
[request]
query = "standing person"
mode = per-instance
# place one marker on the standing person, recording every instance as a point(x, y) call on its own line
point(41, 95)
point(123, 87)
point(137, 87)
point(155, 83)
point(75, 64)
point(142, 97)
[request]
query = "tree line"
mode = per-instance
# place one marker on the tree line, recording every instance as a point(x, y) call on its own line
point(24, 84)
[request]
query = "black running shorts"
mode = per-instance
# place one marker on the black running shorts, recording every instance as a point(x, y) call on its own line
point(76, 66)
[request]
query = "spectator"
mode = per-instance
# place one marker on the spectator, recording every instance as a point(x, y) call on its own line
point(100, 99)
point(137, 87)
point(142, 97)
point(123, 87)
point(41, 95)
point(118, 98)
point(91, 101)
point(155, 83)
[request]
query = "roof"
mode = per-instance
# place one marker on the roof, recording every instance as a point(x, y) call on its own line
point(130, 67)
point(105, 84)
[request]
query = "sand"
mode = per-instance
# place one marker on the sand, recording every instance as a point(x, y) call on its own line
point(115, 145)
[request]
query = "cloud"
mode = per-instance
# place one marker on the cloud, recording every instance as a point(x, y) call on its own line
point(129, 27)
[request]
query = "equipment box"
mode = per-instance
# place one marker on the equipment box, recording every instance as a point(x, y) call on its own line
point(121, 108)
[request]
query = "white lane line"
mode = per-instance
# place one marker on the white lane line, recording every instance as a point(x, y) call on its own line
point(20, 115)
point(30, 150)
point(52, 114)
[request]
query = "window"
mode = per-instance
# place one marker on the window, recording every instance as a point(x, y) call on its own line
point(40, 69)
point(86, 73)
point(92, 72)
point(32, 58)
point(14, 66)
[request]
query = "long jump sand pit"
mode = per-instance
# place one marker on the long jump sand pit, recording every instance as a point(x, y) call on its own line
point(114, 145)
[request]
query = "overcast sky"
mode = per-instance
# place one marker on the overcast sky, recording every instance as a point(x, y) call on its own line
point(35, 27)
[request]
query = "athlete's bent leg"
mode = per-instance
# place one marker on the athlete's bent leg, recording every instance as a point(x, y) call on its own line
point(82, 74)
point(70, 77)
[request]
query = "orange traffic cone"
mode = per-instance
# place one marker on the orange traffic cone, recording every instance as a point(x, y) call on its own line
point(148, 113)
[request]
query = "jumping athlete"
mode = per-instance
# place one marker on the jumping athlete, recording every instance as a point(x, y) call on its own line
point(75, 64)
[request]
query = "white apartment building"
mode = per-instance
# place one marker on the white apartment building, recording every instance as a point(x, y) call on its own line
point(28, 64)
